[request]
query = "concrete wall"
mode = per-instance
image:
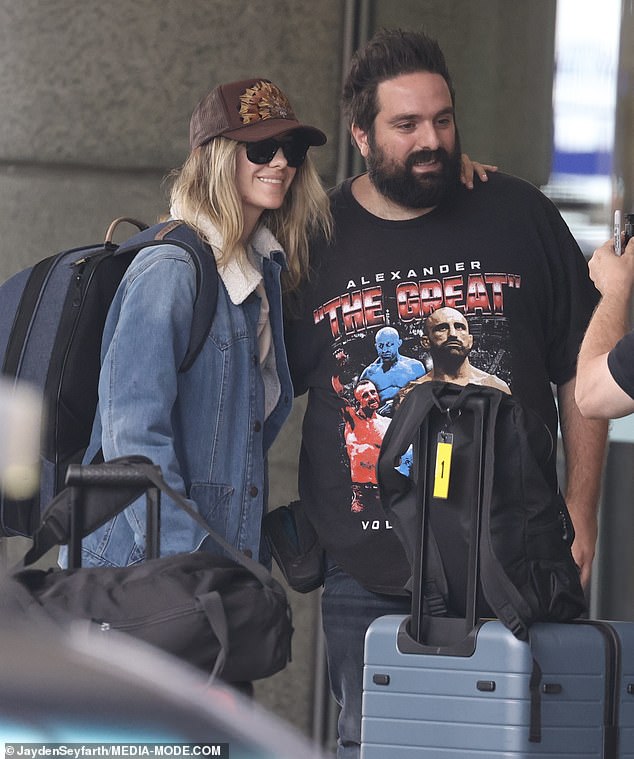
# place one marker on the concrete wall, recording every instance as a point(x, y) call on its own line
point(500, 55)
point(96, 99)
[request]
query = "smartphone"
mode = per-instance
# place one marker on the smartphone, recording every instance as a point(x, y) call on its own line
point(617, 233)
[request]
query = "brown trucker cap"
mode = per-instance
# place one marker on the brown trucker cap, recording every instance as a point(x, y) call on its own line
point(248, 111)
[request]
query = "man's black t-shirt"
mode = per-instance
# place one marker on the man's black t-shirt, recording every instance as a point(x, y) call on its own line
point(503, 257)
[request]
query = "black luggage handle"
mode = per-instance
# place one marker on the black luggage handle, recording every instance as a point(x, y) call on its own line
point(426, 628)
point(111, 476)
point(54, 528)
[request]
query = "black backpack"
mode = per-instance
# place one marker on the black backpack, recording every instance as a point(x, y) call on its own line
point(526, 569)
point(52, 317)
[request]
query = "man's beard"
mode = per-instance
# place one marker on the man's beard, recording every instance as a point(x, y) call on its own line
point(401, 185)
point(450, 358)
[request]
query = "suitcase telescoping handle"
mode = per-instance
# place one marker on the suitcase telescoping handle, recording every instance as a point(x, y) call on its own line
point(79, 477)
point(153, 476)
point(426, 628)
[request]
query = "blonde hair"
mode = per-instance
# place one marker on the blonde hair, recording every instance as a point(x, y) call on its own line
point(205, 188)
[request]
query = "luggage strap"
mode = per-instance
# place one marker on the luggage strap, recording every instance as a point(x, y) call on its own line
point(535, 726)
point(435, 604)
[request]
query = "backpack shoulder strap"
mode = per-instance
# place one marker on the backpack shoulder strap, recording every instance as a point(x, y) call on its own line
point(502, 595)
point(176, 232)
point(179, 234)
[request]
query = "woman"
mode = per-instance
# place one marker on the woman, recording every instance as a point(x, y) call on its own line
point(250, 191)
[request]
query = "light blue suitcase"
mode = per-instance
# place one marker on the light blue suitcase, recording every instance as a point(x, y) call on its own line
point(424, 702)
point(467, 688)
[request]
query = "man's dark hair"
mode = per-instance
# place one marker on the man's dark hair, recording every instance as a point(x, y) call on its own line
point(390, 53)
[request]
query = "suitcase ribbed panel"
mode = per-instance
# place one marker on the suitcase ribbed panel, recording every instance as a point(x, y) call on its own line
point(454, 707)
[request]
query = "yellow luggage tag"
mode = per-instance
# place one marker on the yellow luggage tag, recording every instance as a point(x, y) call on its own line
point(442, 471)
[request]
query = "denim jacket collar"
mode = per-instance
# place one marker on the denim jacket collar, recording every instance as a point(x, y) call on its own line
point(240, 278)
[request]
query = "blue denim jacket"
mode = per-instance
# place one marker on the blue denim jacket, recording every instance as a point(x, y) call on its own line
point(205, 427)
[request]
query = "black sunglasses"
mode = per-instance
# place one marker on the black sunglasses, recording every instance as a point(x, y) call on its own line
point(295, 149)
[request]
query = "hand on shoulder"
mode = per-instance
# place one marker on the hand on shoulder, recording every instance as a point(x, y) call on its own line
point(470, 168)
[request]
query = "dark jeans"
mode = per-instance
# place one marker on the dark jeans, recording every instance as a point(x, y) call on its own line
point(347, 610)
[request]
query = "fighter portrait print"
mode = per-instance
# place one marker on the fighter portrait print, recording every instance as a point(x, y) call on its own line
point(396, 328)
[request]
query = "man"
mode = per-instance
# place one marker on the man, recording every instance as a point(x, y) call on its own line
point(447, 338)
point(408, 240)
point(605, 371)
point(363, 432)
point(391, 371)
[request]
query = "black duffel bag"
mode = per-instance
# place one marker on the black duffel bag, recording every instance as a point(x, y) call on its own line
point(224, 613)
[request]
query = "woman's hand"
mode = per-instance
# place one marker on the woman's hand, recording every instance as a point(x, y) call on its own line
point(469, 168)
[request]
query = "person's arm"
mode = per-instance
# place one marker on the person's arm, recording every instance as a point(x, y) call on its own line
point(138, 384)
point(469, 169)
point(597, 393)
point(584, 447)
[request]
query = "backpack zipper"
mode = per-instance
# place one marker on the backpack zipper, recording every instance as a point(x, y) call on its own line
point(86, 267)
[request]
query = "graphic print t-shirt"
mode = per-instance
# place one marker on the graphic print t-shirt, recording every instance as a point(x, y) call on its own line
point(503, 258)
